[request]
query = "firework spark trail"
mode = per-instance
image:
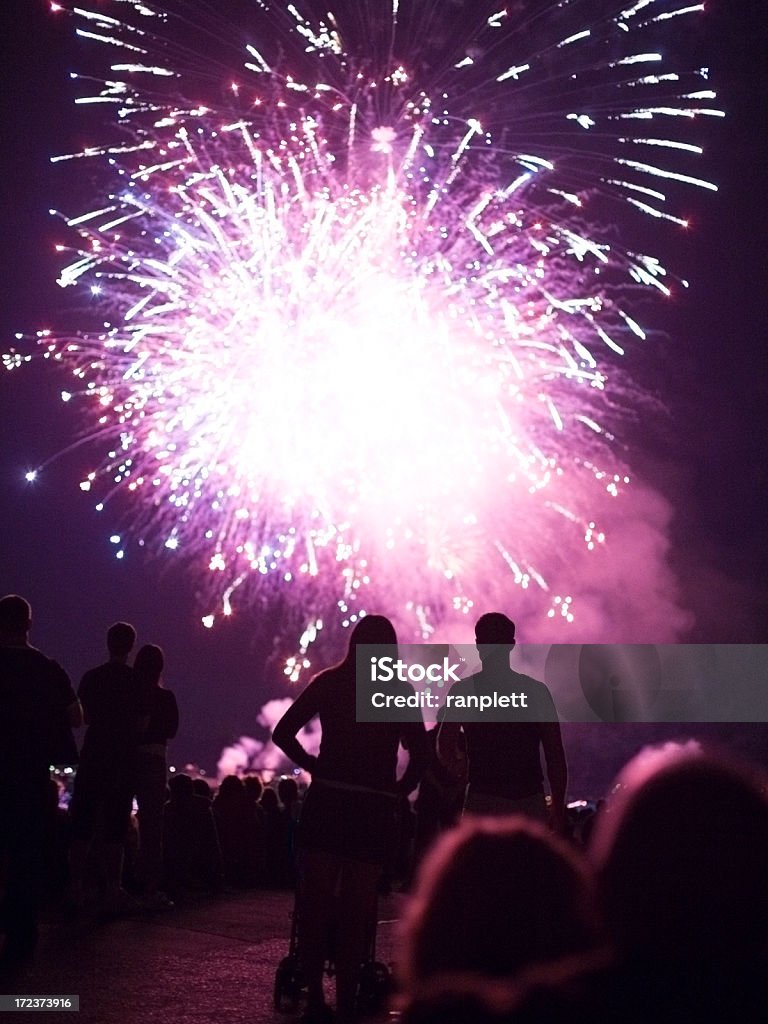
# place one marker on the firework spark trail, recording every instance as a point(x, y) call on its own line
point(361, 330)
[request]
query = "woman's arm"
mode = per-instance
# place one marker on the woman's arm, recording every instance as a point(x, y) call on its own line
point(303, 710)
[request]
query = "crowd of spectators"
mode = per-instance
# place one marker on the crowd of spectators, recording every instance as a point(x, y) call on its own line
point(650, 906)
point(654, 905)
point(234, 835)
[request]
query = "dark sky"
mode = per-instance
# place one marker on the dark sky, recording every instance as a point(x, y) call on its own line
point(706, 453)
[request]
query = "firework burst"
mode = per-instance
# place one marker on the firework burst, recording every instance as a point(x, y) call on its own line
point(362, 329)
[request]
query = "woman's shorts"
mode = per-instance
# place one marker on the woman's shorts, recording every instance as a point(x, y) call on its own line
point(359, 824)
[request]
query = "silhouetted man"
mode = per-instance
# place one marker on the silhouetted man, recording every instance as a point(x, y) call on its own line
point(37, 703)
point(115, 709)
point(504, 753)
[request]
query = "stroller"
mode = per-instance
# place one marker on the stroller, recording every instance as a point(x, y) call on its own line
point(374, 986)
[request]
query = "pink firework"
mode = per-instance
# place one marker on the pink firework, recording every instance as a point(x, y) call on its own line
point(363, 329)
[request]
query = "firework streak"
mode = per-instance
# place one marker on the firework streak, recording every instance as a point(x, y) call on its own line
point(362, 325)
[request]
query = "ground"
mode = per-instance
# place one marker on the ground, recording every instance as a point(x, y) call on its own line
point(210, 960)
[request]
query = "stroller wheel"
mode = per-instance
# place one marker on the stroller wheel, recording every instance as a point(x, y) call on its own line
point(288, 984)
point(374, 987)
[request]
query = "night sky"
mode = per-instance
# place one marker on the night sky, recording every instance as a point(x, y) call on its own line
point(705, 363)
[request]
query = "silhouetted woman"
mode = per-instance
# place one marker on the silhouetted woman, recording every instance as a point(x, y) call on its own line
point(151, 766)
point(348, 819)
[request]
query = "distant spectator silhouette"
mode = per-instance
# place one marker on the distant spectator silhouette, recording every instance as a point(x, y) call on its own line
point(37, 705)
point(494, 896)
point(504, 757)
point(152, 768)
point(240, 837)
point(269, 801)
point(191, 851)
point(202, 788)
point(115, 712)
point(290, 799)
point(348, 818)
point(254, 787)
point(274, 839)
point(289, 796)
point(439, 802)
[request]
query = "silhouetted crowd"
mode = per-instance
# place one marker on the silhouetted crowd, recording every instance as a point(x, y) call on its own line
point(651, 906)
point(128, 837)
point(238, 834)
point(662, 916)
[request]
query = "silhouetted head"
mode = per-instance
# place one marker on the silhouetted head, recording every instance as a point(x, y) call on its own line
point(372, 629)
point(231, 788)
point(495, 628)
point(496, 895)
point(121, 636)
point(681, 853)
point(15, 618)
point(269, 800)
point(494, 637)
point(254, 787)
point(149, 663)
point(288, 790)
point(181, 787)
point(201, 788)
point(369, 631)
